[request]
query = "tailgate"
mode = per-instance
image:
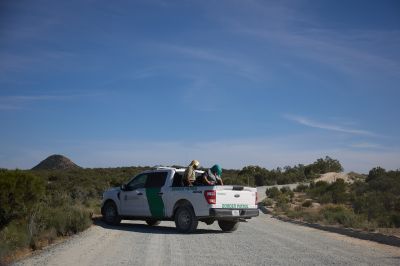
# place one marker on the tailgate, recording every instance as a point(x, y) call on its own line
point(235, 197)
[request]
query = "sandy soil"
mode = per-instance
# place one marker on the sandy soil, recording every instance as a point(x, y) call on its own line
point(332, 177)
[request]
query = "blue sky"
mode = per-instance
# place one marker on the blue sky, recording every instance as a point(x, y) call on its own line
point(269, 83)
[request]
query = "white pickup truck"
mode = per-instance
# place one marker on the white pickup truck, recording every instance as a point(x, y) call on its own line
point(157, 195)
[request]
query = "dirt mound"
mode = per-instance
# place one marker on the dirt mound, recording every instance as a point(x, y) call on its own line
point(332, 177)
point(56, 162)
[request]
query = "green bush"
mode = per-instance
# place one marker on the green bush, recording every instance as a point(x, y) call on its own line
point(267, 202)
point(324, 192)
point(282, 203)
point(395, 219)
point(338, 191)
point(379, 197)
point(13, 236)
point(66, 220)
point(43, 223)
point(322, 166)
point(287, 191)
point(339, 214)
point(301, 188)
point(273, 192)
point(19, 192)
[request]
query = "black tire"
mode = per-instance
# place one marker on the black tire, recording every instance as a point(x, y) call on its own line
point(110, 213)
point(185, 219)
point(228, 226)
point(152, 222)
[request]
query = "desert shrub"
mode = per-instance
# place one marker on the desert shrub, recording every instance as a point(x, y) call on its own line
point(374, 173)
point(42, 224)
point(324, 198)
point(287, 191)
point(282, 203)
point(312, 217)
point(66, 220)
point(19, 191)
point(323, 165)
point(395, 219)
point(305, 214)
point(307, 203)
point(339, 214)
point(295, 214)
point(273, 192)
point(301, 188)
point(337, 191)
point(378, 198)
point(267, 202)
point(13, 236)
point(324, 192)
point(317, 189)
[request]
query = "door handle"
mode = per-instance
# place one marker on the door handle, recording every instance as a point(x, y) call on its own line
point(140, 193)
point(160, 193)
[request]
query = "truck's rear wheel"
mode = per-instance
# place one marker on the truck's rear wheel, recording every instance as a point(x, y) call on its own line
point(110, 213)
point(152, 222)
point(228, 226)
point(185, 219)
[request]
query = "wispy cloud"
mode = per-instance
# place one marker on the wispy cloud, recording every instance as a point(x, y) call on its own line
point(326, 126)
point(365, 145)
point(239, 65)
point(333, 50)
point(17, 102)
point(201, 86)
point(353, 52)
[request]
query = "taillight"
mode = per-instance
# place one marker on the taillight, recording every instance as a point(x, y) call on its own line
point(256, 198)
point(211, 196)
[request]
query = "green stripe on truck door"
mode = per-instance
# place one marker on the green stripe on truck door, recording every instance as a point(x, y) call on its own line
point(155, 202)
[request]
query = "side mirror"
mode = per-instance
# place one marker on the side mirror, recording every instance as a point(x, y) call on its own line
point(123, 187)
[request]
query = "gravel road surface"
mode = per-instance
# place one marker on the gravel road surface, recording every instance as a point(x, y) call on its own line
point(261, 241)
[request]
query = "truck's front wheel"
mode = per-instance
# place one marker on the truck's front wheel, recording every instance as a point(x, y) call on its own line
point(185, 220)
point(228, 226)
point(110, 213)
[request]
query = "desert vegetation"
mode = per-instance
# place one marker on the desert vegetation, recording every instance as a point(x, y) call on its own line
point(38, 206)
point(259, 176)
point(367, 203)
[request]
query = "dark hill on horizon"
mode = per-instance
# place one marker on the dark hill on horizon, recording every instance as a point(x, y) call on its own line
point(56, 162)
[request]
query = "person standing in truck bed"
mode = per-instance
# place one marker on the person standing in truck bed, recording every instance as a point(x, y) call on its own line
point(189, 177)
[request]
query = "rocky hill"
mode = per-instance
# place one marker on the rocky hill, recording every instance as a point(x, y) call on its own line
point(56, 162)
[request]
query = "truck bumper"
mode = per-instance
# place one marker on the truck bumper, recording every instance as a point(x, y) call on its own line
point(232, 213)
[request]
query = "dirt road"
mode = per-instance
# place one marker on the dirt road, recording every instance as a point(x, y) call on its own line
point(261, 241)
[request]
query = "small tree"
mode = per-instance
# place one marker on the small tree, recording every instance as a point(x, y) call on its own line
point(375, 173)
